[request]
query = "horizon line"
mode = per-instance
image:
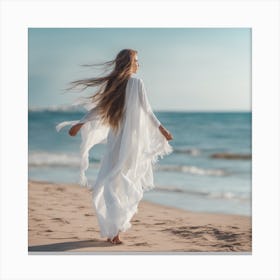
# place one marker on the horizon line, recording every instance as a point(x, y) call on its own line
point(72, 108)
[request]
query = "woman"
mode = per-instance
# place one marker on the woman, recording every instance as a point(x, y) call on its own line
point(121, 117)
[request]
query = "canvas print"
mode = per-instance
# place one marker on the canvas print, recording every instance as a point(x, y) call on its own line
point(139, 140)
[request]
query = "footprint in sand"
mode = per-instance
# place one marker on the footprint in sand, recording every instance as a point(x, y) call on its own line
point(91, 229)
point(162, 222)
point(37, 220)
point(61, 220)
point(141, 244)
point(225, 239)
point(194, 227)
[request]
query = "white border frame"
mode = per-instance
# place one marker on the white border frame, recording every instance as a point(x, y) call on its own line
point(261, 16)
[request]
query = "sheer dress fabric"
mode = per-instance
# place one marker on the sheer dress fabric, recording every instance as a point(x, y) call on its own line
point(126, 167)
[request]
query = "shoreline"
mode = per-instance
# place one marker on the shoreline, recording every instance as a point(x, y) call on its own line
point(61, 219)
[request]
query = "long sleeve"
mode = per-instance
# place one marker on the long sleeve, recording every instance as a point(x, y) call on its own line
point(92, 132)
point(89, 116)
point(146, 105)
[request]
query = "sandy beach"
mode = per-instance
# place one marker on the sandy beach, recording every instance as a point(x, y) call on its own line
point(61, 219)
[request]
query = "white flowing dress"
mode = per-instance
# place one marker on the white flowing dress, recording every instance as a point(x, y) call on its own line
point(126, 167)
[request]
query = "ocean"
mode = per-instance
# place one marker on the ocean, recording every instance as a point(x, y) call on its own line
point(209, 170)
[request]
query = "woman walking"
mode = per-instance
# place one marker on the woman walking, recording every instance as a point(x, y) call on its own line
point(120, 117)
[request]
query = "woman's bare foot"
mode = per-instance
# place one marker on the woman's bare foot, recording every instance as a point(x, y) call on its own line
point(115, 240)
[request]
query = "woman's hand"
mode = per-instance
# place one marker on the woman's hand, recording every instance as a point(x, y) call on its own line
point(75, 129)
point(165, 133)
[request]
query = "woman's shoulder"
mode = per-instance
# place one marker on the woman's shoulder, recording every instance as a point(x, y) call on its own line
point(134, 77)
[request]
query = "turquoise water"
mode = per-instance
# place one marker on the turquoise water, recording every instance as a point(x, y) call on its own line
point(193, 177)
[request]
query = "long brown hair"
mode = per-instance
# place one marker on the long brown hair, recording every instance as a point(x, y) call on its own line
point(110, 97)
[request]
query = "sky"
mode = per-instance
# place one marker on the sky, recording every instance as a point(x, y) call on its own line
point(183, 69)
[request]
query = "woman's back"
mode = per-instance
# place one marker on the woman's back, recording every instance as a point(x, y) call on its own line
point(133, 144)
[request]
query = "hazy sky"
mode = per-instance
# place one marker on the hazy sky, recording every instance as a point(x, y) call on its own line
point(188, 69)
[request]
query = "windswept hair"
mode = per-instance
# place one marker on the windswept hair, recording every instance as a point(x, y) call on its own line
point(110, 96)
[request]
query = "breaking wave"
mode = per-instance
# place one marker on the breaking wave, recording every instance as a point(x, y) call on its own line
point(37, 159)
point(192, 170)
point(231, 156)
point(213, 195)
point(192, 152)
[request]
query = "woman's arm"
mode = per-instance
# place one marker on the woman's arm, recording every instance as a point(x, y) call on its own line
point(165, 133)
point(75, 129)
point(146, 105)
point(89, 116)
point(147, 108)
